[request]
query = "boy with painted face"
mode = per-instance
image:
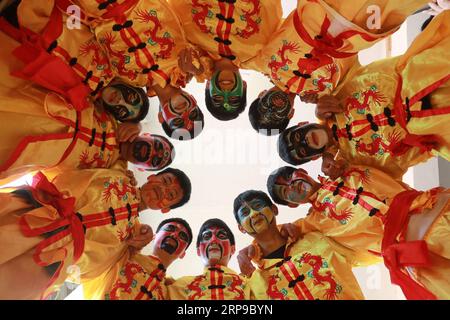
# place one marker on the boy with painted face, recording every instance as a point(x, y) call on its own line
point(369, 212)
point(311, 267)
point(82, 217)
point(141, 277)
point(382, 116)
point(231, 32)
point(314, 48)
point(215, 246)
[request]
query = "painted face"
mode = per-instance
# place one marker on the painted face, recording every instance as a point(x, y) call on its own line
point(215, 247)
point(161, 191)
point(226, 90)
point(148, 152)
point(274, 107)
point(307, 141)
point(181, 111)
point(122, 101)
point(255, 216)
point(295, 189)
point(172, 238)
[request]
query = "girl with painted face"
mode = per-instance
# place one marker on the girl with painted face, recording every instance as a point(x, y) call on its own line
point(215, 246)
point(149, 152)
point(146, 282)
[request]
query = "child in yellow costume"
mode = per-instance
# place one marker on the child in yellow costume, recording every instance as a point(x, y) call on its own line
point(141, 277)
point(41, 130)
point(231, 32)
point(390, 115)
point(366, 210)
point(81, 218)
point(149, 49)
point(311, 267)
point(60, 53)
point(215, 246)
point(315, 47)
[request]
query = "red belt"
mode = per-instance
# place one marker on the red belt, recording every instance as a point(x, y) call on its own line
point(398, 255)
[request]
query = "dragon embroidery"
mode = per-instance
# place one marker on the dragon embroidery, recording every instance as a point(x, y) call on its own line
point(371, 94)
point(236, 281)
point(108, 40)
point(199, 15)
point(378, 146)
point(322, 82)
point(165, 43)
point(363, 175)
point(344, 216)
point(272, 290)
point(124, 235)
point(195, 286)
point(252, 26)
point(99, 60)
point(276, 65)
point(97, 161)
point(129, 270)
point(316, 263)
point(119, 189)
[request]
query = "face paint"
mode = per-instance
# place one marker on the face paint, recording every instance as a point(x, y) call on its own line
point(274, 107)
point(161, 191)
point(215, 246)
point(123, 102)
point(181, 111)
point(173, 238)
point(229, 100)
point(303, 140)
point(148, 152)
point(294, 189)
point(255, 216)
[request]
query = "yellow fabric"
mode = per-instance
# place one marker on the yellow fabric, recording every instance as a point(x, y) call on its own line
point(79, 43)
point(370, 90)
point(124, 281)
point(425, 63)
point(95, 191)
point(29, 112)
point(352, 225)
point(155, 25)
point(435, 278)
point(323, 268)
point(196, 288)
point(254, 24)
point(286, 51)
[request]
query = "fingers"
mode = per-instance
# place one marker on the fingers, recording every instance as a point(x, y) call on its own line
point(245, 264)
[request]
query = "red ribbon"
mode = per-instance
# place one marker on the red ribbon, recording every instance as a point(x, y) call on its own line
point(47, 193)
point(398, 255)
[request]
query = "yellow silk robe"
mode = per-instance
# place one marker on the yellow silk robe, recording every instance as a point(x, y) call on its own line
point(216, 283)
point(369, 130)
point(39, 128)
point(102, 216)
point(314, 267)
point(318, 43)
point(138, 277)
point(76, 45)
point(142, 39)
point(237, 31)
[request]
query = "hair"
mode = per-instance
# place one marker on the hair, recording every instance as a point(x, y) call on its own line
point(285, 172)
point(169, 132)
point(220, 113)
point(180, 221)
point(172, 153)
point(270, 129)
point(185, 184)
point(215, 223)
point(246, 196)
